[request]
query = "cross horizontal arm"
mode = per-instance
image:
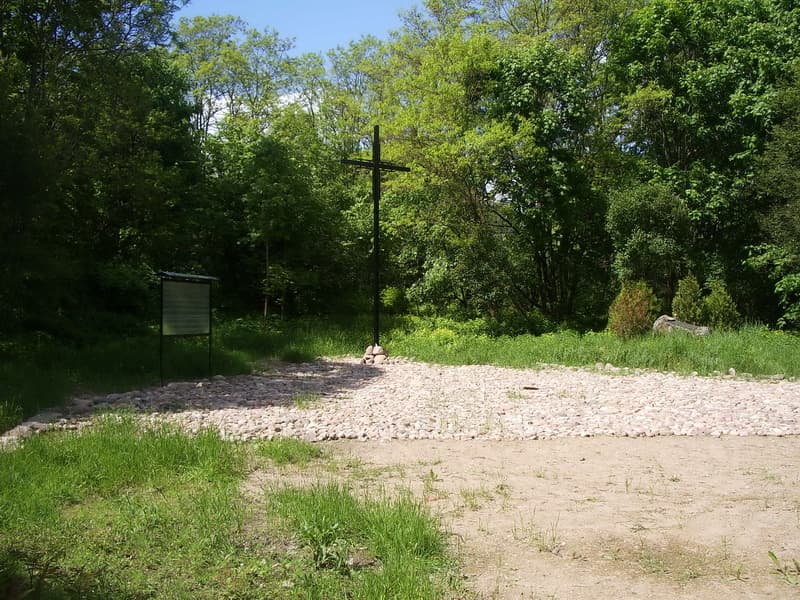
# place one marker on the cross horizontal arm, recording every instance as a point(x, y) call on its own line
point(383, 166)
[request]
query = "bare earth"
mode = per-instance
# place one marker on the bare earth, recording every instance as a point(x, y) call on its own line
point(555, 482)
point(588, 518)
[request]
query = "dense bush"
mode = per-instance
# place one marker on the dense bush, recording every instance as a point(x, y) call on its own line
point(633, 310)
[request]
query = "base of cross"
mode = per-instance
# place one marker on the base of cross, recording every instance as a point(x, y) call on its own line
point(374, 355)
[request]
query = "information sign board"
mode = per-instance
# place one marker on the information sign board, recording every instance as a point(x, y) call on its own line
point(185, 309)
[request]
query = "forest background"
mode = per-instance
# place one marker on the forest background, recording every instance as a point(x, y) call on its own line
point(559, 149)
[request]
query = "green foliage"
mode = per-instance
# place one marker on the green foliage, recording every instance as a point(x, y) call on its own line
point(393, 300)
point(289, 451)
point(788, 289)
point(10, 414)
point(789, 571)
point(236, 72)
point(649, 225)
point(116, 510)
point(633, 310)
point(754, 350)
point(779, 256)
point(719, 308)
point(696, 84)
point(553, 146)
point(102, 161)
point(542, 117)
point(687, 305)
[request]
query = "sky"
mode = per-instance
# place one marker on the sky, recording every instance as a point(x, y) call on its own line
point(315, 25)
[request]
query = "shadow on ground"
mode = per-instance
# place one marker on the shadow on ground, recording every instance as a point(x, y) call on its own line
point(273, 384)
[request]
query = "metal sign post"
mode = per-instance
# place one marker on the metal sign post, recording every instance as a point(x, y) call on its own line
point(185, 310)
point(377, 166)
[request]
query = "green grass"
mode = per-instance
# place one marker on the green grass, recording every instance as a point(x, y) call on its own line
point(289, 451)
point(400, 543)
point(127, 511)
point(38, 372)
point(118, 511)
point(754, 350)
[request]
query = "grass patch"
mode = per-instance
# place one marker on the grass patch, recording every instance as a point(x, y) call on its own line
point(289, 451)
point(118, 511)
point(673, 559)
point(366, 548)
point(38, 372)
point(35, 375)
point(788, 570)
point(754, 350)
point(306, 400)
point(127, 511)
point(474, 498)
point(544, 540)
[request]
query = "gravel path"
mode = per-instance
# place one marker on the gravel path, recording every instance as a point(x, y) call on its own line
point(341, 399)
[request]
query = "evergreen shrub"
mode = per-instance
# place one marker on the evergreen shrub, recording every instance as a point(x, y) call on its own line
point(633, 311)
point(687, 305)
point(720, 309)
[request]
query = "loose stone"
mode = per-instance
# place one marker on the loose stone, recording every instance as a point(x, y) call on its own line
point(411, 400)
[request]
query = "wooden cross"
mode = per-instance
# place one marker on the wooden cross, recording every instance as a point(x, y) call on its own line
point(377, 166)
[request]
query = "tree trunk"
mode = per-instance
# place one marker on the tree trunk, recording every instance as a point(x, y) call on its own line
point(266, 279)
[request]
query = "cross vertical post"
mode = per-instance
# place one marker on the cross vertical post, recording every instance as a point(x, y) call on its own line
point(376, 236)
point(377, 166)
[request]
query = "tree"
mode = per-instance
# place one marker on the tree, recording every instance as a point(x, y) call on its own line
point(776, 178)
point(696, 82)
point(649, 226)
point(236, 73)
point(633, 310)
point(95, 115)
point(687, 305)
point(540, 163)
point(292, 219)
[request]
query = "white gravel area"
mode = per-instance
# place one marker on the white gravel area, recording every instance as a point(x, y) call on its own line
point(342, 399)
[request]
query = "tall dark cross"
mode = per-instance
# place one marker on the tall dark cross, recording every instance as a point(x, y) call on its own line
point(377, 166)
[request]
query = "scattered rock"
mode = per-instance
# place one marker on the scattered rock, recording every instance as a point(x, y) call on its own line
point(421, 401)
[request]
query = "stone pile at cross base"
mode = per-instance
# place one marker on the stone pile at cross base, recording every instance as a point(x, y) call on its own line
point(374, 355)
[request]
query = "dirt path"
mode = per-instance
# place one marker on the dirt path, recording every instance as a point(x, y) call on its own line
point(587, 518)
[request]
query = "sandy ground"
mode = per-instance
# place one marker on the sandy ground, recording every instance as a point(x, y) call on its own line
point(604, 517)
